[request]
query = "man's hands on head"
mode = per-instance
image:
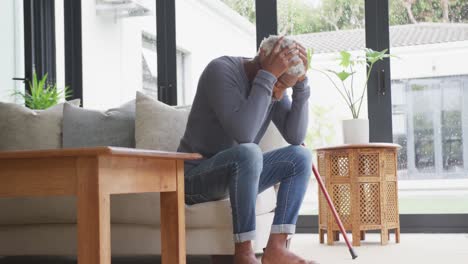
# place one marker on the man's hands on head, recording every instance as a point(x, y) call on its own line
point(286, 80)
point(279, 60)
point(303, 56)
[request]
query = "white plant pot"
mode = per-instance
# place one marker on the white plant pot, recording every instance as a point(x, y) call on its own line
point(356, 131)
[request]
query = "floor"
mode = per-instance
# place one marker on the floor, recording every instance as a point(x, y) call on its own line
point(414, 248)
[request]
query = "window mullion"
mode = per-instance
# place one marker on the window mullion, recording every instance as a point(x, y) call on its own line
point(379, 103)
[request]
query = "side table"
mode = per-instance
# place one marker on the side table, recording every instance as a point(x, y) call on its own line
point(362, 182)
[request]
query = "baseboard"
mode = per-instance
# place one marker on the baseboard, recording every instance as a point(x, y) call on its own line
point(409, 223)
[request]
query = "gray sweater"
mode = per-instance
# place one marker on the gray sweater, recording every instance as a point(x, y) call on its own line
point(228, 110)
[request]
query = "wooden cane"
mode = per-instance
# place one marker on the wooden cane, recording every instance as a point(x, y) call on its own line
point(335, 214)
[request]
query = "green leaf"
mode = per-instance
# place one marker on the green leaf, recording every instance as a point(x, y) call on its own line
point(342, 75)
point(69, 93)
point(310, 53)
point(345, 59)
point(373, 56)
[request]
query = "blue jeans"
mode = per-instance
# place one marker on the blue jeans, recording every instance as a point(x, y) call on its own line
point(241, 173)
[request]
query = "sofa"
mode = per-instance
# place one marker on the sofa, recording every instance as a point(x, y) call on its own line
point(47, 225)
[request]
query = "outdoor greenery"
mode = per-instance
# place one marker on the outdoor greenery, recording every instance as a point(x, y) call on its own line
point(42, 94)
point(321, 132)
point(306, 16)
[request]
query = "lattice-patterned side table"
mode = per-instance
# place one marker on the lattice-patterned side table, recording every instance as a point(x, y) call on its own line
point(362, 182)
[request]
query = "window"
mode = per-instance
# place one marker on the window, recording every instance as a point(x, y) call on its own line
point(420, 108)
point(149, 64)
point(150, 68)
point(327, 27)
point(119, 51)
point(182, 64)
point(429, 104)
point(11, 48)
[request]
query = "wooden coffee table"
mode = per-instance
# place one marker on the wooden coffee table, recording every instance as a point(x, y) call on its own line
point(93, 174)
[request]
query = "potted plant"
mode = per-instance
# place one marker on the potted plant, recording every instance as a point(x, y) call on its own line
point(355, 130)
point(41, 94)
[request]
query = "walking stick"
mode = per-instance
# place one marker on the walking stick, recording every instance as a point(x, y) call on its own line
point(335, 214)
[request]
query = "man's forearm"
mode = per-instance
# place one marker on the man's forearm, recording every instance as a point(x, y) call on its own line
point(298, 117)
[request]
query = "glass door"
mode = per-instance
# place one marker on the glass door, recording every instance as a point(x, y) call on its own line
point(429, 104)
point(327, 28)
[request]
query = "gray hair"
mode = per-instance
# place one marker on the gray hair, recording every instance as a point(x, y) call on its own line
point(269, 43)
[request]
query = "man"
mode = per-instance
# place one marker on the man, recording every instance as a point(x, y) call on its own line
point(236, 100)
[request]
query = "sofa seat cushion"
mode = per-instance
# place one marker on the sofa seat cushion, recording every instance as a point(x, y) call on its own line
point(218, 214)
point(125, 209)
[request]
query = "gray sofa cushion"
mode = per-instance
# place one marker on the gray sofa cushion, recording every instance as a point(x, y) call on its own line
point(22, 128)
point(91, 128)
point(158, 126)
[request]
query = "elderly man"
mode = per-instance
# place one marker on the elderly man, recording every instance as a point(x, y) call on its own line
point(236, 100)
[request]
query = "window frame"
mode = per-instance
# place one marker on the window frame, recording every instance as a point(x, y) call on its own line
point(266, 19)
point(39, 39)
point(379, 94)
point(166, 51)
point(73, 48)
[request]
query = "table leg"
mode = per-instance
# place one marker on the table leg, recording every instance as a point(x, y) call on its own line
point(384, 236)
point(363, 235)
point(336, 235)
point(173, 222)
point(93, 215)
point(397, 235)
point(322, 235)
point(356, 237)
point(330, 238)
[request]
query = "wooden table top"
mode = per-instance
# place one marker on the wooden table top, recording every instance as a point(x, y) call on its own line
point(98, 151)
point(353, 146)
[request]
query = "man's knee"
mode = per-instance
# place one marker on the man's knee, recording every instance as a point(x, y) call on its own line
point(249, 158)
point(302, 158)
point(249, 152)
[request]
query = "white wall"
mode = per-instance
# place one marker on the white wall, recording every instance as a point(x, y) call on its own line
point(101, 59)
point(112, 69)
point(443, 59)
point(11, 48)
point(209, 29)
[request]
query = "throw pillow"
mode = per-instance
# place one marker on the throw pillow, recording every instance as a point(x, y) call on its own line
point(158, 126)
point(92, 128)
point(22, 128)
